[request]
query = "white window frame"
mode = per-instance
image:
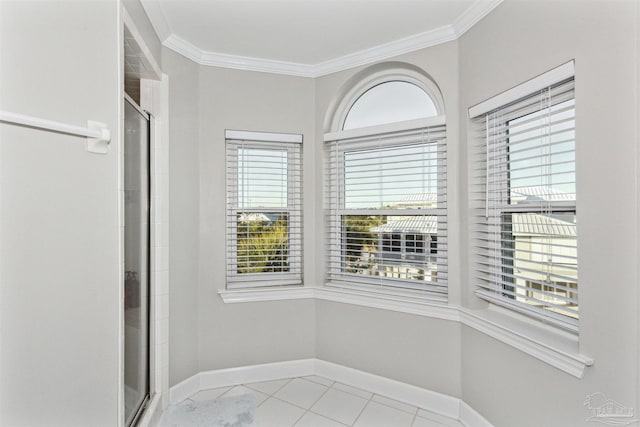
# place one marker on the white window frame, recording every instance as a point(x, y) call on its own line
point(292, 144)
point(336, 144)
point(487, 220)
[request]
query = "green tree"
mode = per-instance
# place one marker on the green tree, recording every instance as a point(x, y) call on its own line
point(359, 238)
point(263, 246)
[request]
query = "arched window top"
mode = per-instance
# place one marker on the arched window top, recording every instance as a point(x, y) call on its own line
point(389, 102)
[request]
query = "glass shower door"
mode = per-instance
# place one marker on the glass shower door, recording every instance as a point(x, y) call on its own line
point(136, 260)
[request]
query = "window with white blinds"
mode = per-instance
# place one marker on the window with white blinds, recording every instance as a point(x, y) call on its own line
point(264, 209)
point(386, 210)
point(524, 199)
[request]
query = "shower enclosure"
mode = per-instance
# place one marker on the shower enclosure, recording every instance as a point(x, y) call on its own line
point(136, 259)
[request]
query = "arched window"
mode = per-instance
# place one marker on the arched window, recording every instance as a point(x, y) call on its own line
point(390, 102)
point(385, 185)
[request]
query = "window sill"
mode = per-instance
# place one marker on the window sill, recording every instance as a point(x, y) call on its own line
point(231, 296)
point(547, 344)
point(356, 297)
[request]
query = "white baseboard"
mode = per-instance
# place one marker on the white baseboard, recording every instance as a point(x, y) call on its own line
point(396, 390)
point(240, 375)
point(184, 389)
point(432, 401)
point(256, 373)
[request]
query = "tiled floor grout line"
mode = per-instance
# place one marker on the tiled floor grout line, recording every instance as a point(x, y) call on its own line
point(267, 394)
point(322, 381)
point(398, 409)
point(352, 394)
point(415, 416)
point(362, 410)
point(310, 406)
point(328, 417)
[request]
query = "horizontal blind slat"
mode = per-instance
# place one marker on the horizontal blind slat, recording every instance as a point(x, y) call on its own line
point(523, 200)
point(264, 211)
point(385, 204)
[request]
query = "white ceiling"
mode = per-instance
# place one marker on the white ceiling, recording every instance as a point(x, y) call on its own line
point(307, 37)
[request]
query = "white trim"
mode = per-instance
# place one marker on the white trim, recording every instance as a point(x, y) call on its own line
point(537, 83)
point(569, 324)
point(385, 128)
point(262, 136)
point(183, 47)
point(238, 62)
point(478, 10)
point(397, 303)
point(473, 15)
point(363, 298)
point(214, 59)
point(570, 362)
point(432, 401)
point(266, 294)
point(256, 373)
point(387, 50)
point(470, 417)
point(239, 375)
point(184, 389)
point(559, 354)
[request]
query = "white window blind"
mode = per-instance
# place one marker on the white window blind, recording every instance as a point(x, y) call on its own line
point(386, 211)
point(524, 199)
point(264, 209)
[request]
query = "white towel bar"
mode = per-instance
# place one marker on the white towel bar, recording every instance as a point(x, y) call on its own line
point(97, 134)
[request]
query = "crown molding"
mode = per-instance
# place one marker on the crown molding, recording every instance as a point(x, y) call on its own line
point(478, 10)
point(387, 50)
point(474, 13)
point(237, 62)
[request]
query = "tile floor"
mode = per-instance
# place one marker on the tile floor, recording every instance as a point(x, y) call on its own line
point(319, 402)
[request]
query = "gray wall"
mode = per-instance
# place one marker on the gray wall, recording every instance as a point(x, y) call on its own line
point(183, 211)
point(244, 334)
point(517, 41)
point(59, 250)
point(205, 333)
point(414, 349)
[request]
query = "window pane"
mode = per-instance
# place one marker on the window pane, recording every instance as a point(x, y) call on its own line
point(263, 242)
point(263, 220)
point(388, 103)
point(262, 178)
point(390, 246)
point(542, 155)
point(391, 178)
point(540, 260)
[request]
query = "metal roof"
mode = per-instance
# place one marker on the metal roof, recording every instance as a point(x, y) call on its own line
point(524, 224)
point(259, 217)
point(539, 193)
point(418, 199)
point(409, 224)
point(532, 224)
